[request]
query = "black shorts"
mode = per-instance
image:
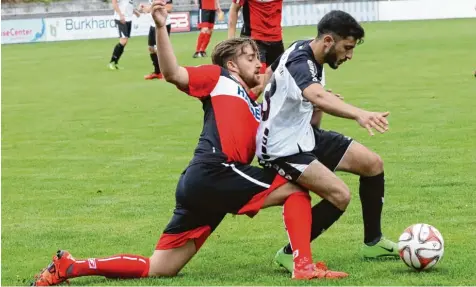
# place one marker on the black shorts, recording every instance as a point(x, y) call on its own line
point(151, 40)
point(124, 28)
point(206, 18)
point(269, 51)
point(206, 192)
point(330, 149)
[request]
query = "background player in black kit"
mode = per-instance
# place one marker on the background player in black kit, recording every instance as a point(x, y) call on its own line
point(151, 40)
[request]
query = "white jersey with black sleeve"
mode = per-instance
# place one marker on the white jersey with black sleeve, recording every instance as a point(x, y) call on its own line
point(285, 127)
point(127, 9)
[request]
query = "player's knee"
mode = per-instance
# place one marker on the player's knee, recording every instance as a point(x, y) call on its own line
point(205, 30)
point(374, 166)
point(341, 196)
point(123, 41)
point(158, 269)
point(151, 50)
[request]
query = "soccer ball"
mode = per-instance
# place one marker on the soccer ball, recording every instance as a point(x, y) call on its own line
point(421, 246)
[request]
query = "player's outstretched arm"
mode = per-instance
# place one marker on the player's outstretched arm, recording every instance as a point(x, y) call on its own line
point(233, 18)
point(171, 71)
point(329, 103)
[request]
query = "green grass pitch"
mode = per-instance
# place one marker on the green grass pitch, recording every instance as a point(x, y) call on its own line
point(90, 158)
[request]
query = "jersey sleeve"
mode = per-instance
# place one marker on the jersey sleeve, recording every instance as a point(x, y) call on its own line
point(202, 80)
point(239, 2)
point(304, 71)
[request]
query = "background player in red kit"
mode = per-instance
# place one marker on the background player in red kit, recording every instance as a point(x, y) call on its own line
point(218, 180)
point(262, 23)
point(206, 22)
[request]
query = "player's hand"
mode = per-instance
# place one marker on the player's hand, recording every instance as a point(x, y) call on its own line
point(122, 19)
point(159, 13)
point(373, 121)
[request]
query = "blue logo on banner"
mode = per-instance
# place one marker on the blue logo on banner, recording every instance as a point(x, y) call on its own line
point(40, 34)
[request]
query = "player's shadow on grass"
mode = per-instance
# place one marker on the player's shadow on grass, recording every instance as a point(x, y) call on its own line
point(411, 272)
point(379, 259)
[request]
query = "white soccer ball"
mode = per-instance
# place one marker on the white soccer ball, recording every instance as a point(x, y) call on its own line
point(421, 246)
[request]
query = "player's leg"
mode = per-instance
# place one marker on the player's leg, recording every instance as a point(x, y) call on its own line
point(203, 26)
point(124, 34)
point(210, 19)
point(261, 188)
point(361, 161)
point(310, 173)
point(182, 238)
point(153, 56)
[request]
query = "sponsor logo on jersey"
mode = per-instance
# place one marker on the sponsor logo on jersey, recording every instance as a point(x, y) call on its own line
point(254, 108)
point(312, 70)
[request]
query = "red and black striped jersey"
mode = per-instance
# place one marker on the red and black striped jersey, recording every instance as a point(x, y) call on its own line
point(262, 19)
point(207, 4)
point(231, 116)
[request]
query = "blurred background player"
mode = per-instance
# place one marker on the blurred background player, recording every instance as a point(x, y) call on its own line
point(206, 22)
point(123, 11)
point(151, 41)
point(262, 23)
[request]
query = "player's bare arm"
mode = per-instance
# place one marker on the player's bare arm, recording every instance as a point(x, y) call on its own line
point(217, 4)
point(172, 72)
point(233, 19)
point(331, 104)
point(115, 5)
point(317, 113)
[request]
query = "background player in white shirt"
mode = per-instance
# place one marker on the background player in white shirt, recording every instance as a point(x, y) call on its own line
point(123, 12)
point(287, 142)
point(151, 40)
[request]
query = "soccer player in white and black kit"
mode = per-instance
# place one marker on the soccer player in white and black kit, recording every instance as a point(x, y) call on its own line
point(151, 41)
point(307, 155)
point(123, 11)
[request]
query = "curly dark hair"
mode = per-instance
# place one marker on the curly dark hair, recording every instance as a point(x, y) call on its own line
point(341, 24)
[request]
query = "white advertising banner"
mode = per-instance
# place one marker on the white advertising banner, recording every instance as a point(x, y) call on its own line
point(97, 27)
point(426, 9)
point(310, 14)
point(75, 28)
point(23, 31)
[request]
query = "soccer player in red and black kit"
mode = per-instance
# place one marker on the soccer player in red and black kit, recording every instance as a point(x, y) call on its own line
point(206, 22)
point(262, 23)
point(218, 180)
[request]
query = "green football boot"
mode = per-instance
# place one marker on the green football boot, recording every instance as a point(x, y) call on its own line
point(284, 260)
point(383, 248)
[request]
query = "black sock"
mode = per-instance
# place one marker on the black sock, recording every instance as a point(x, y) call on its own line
point(371, 192)
point(155, 62)
point(116, 54)
point(324, 214)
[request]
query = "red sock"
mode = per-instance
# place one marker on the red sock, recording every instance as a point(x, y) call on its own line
point(117, 266)
point(206, 40)
point(297, 220)
point(201, 38)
